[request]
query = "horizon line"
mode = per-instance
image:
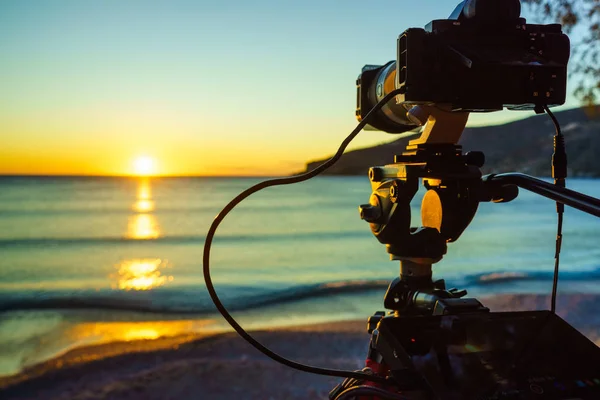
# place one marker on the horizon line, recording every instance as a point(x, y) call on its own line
point(40, 175)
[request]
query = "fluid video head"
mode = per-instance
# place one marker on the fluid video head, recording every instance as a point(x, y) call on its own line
point(483, 58)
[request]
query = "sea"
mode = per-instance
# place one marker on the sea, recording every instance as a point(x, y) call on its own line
point(93, 260)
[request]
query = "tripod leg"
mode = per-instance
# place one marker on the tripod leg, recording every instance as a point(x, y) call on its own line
point(373, 365)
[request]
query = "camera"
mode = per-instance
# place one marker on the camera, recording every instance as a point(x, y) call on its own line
point(483, 58)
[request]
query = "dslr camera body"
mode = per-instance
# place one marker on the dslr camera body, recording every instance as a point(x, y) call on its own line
point(483, 58)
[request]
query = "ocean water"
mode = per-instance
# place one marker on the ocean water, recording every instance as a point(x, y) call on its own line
point(92, 260)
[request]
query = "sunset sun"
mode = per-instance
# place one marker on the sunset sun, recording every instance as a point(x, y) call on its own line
point(144, 166)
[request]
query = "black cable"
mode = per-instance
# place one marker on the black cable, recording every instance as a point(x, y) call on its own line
point(559, 173)
point(259, 186)
point(364, 390)
point(556, 262)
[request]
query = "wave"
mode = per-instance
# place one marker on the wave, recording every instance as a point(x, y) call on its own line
point(15, 208)
point(268, 208)
point(57, 241)
point(502, 277)
point(103, 211)
point(102, 240)
point(183, 301)
point(179, 239)
point(194, 300)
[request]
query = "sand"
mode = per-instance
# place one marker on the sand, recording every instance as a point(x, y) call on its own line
point(225, 367)
point(215, 367)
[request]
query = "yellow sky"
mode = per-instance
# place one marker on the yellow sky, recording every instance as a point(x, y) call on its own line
point(88, 87)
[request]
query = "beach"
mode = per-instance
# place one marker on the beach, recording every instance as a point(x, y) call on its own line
point(215, 367)
point(102, 294)
point(223, 366)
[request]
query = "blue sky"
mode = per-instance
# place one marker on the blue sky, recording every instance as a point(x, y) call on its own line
point(202, 87)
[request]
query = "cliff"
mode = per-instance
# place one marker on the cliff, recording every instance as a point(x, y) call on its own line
point(523, 146)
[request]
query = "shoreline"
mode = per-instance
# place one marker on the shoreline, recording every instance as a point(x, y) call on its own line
point(219, 365)
point(122, 370)
point(81, 355)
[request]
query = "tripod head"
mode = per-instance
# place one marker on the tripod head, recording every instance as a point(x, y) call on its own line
point(454, 189)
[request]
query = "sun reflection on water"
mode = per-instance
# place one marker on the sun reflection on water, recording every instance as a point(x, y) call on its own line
point(144, 201)
point(141, 333)
point(105, 332)
point(143, 224)
point(143, 206)
point(141, 274)
point(144, 192)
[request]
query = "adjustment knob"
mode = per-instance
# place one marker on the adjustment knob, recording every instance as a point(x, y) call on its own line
point(396, 190)
point(369, 212)
point(374, 320)
point(476, 158)
point(457, 294)
point(376, 174)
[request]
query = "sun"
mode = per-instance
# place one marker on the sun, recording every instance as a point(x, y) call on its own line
point(144, 166)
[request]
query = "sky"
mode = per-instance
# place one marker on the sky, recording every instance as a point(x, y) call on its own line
point(192, 87)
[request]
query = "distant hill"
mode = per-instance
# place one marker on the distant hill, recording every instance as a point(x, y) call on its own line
point(523, 146)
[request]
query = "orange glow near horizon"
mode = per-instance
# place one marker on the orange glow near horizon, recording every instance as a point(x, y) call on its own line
point(163, 159)
point(113, 88)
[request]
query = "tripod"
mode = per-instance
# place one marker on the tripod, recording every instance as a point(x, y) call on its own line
point(435, 343)
point(425, 320)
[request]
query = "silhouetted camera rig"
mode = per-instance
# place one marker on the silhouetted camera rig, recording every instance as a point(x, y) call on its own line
point(436, 343)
